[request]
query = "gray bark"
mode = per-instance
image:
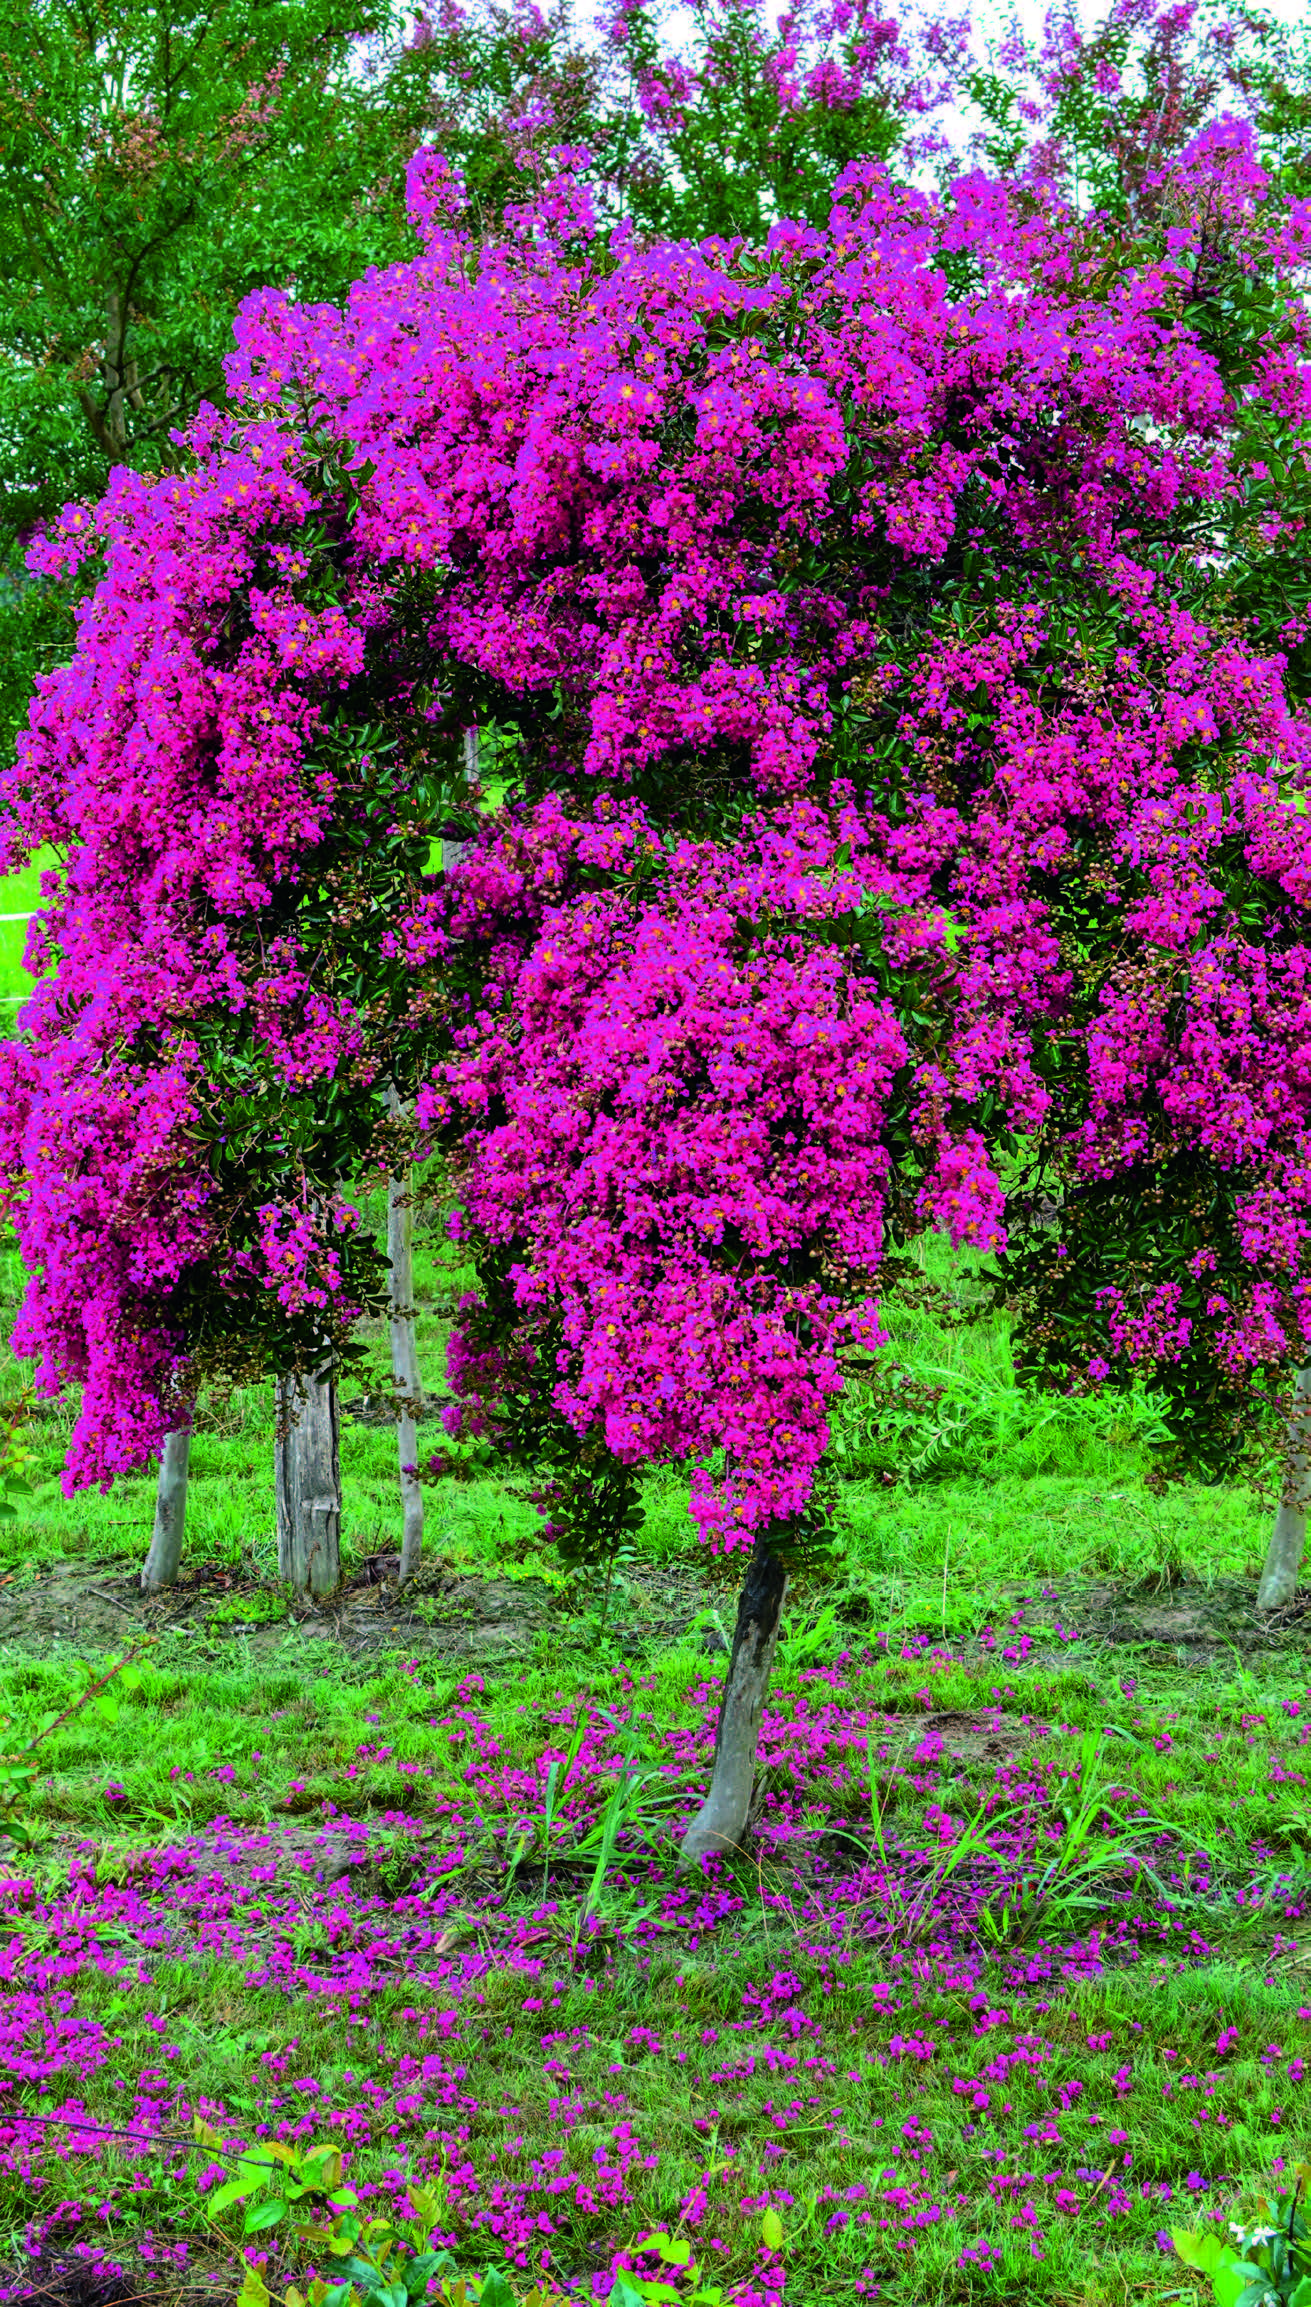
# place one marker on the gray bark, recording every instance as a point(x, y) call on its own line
point(405, 1357)
point(1288, 1538)
point(160, 1567)
point(721, 1822)
point(308, 1462)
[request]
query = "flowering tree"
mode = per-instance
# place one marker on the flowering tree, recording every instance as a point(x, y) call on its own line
point(888, 643)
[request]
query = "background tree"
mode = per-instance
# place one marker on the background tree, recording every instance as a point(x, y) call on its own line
point(704, 120)
point(1104, 111)
point(741, 121)
point(157, 162)
point(1101, 108)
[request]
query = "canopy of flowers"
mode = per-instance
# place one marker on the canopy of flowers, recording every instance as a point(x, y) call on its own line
point(885, 645)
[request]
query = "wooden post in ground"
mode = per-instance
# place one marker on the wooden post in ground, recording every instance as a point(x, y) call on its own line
point(406, 1383)
point(308, 1463)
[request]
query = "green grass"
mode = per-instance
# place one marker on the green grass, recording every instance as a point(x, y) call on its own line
point(20, 894)
point(1012, 2086)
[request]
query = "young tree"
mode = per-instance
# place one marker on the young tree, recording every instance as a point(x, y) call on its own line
point(895, 777)
point(982, 575)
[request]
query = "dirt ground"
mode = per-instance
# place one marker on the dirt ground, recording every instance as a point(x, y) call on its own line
point(448, 1614)
point(444, 1612)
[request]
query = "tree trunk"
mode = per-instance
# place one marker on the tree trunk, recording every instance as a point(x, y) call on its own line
point(161, 1564)
point(1288, 1538)
point(453, 851)
point(721, 1822)
point(115, 339)
point(405, 1356)
point(308, 1458)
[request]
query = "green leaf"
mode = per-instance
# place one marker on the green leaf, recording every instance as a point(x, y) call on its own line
point(1200, 2251)
point(249, 2178)
point(771, 2228)
point(321, 2164)
point(674, 2254)
point(494, 2291)
point(419, 2272)
point(263, 2215)
point(1229, 2280)
point(1237, 2283)
point(623, 2293)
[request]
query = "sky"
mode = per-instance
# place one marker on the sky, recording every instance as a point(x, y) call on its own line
point(988, 16)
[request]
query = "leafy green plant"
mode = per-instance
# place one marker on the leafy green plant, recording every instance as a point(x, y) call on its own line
point(950, 1404)
point(877, 1804)
point(594, 1516)
point(1267, 2264)
point(557, 1778)
point(623, 1810)
point(1077, 1876)
point(260, 1606)
point(619, 1812)
point(804, 1646)
point(630, 2289)
point(382, 2262)
point(379, 2261)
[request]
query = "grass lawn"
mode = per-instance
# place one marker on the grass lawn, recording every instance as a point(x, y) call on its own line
point(20, 894)
point(1012, 1983)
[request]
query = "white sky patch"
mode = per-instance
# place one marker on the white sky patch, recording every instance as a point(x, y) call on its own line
point(990, 21)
